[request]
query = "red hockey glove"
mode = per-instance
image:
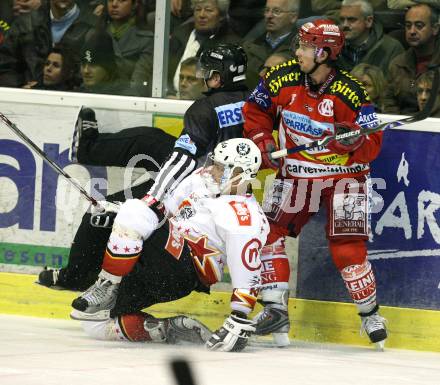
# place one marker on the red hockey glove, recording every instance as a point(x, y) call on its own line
point(266, 144)
point(346, 145)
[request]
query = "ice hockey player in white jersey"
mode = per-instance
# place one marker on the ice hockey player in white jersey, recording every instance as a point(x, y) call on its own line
point(159, 253)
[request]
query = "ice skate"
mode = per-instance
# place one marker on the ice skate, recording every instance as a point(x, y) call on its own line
point(97, 301)
point(49, 278)
point(375, 326)
point(274, 319)
point(86, 125)
point(183, 329)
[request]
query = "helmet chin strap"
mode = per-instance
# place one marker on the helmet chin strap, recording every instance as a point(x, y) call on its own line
point(316, 66)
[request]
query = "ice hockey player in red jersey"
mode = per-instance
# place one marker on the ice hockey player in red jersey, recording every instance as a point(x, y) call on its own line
point(309, 98)
point(209, 221)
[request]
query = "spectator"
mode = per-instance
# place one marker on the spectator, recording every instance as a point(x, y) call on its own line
point(25, 6)
point(421, 33)
point(34, 33)
point(245, 14)
point(424, 87)
point(280, 17)
point(98, 67)
point(399, 4)
point(92, 7)
point(403, 4)
point(272, 61)
point(190, 87)
point(59, 72)
point(181, 11)
point(133, 46)
point(21, 49)
point(208, 30)
point(68, 24)
point(330, 8)
point(374, 82)
point(364, 37)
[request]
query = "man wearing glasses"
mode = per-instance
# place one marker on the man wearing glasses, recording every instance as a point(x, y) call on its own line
point(280, 17)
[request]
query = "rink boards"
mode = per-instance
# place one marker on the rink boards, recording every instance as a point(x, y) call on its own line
point(39, 214)
point(312, 321)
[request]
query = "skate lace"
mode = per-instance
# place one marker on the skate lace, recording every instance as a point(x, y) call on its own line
point(262, 315)
point(86, 124)
point(55, 276)
point(372, 323)
point(98, 292)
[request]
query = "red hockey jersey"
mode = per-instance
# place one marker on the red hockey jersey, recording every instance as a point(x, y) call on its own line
point(283, 100)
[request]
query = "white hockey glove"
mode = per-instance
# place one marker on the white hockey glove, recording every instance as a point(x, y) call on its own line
point(104, 214)
point(233, 334)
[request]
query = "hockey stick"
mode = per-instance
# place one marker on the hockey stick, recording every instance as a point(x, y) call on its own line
point(421, 115)
point(44, 156)
point(182, 372)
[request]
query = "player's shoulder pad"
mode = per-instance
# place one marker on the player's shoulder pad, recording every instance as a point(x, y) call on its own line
point(349, 89)
point(282, 75)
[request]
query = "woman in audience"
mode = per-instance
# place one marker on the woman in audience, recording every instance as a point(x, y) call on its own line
point(59, 72)
point(208, 29)
point(374, 82)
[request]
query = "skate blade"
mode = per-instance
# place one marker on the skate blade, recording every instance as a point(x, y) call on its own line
point(102, 315)
point(281, 340)
point(380, 346)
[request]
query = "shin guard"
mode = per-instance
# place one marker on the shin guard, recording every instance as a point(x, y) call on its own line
point(121, 254)
point(128, 327)
point(275, 272)
point(361, 285)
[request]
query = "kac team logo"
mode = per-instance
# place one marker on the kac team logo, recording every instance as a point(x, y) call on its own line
point(325, 108)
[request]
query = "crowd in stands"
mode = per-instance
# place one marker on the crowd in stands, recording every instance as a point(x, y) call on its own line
point(106, 46)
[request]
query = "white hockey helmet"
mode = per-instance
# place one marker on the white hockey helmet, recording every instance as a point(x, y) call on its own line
point(234, 162)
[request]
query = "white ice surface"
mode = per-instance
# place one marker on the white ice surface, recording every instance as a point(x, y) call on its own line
point(46, 352)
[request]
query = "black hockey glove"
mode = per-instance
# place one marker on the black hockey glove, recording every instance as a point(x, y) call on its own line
point(104, 214)
point(233, 334)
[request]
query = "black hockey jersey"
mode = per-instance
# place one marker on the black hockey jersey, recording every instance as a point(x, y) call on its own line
point(208, 121)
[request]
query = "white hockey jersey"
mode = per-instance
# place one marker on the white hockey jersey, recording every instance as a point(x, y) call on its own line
point(226, 231)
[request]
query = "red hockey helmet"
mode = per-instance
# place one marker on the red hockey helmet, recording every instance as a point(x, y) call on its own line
point(323, 33)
